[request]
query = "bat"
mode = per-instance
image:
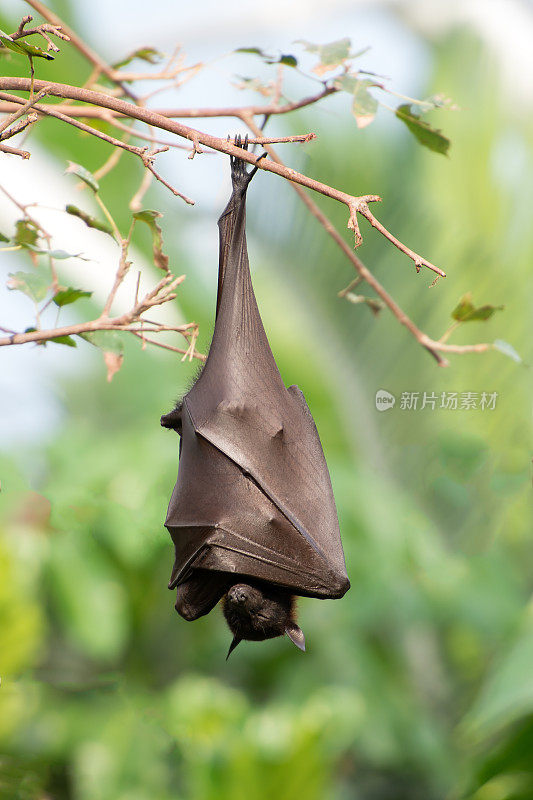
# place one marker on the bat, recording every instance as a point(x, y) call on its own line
point(252, 515)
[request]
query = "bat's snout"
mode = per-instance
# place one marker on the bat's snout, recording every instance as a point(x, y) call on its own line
point(238, 593)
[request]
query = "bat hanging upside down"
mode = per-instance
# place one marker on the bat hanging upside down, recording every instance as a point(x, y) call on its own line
point(252, 514)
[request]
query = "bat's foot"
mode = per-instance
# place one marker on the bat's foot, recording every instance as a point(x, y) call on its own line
point(239, 176)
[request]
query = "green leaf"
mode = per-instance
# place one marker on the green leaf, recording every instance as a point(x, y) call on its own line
point(149, 54)
point(67, 296)
point(463, 308)
point(61, 255)
point(23, 48)
point(331, 55)
point(3, 238)
point(34, 284)
point(149, 217)
point(66, 340)
point(427, 136)
point(364, 106)
point(256, 51)
point(89, 220)
point(108, 341)
point(465, 311)
point(288, 60)
point(25, 233)
point(483, 313)
point(508, 350)
point(84, 175)
point(285, 58)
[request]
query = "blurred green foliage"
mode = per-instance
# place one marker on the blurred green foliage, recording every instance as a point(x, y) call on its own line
point(418, 684)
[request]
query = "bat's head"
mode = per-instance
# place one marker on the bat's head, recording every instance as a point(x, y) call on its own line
point(258, 612)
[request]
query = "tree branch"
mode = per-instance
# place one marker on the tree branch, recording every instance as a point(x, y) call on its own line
point(270, 109)
point(355, 204)
point(14, 151)
point(41, 30)
point(26, 105)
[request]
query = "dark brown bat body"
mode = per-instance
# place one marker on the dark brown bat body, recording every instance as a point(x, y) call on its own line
point(253, 503)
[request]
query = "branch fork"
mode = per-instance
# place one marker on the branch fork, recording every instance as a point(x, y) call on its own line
point(359, 205)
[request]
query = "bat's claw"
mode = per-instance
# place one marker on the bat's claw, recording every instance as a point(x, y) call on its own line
point(239, 176)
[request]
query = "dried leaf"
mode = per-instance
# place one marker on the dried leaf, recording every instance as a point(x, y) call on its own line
point(111, 344)
point(113, 362)
point(149, 217)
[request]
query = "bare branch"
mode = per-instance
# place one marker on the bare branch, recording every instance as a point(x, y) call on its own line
point(19, 126)
point(268, 110)
point(149, 165)
point(194, 354)
point(14, 151)
point(42, 30)
point(92, 326)
point(21, 111)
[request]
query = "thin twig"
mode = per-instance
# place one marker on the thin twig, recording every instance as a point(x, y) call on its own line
point(14, 151)
point(174, 191)
point(430, 345)
point(26, 105)
point(79, 328)
point(41, 30)
point(195, 354)
point(138, 151)
point(19, 126)
point(141, 152)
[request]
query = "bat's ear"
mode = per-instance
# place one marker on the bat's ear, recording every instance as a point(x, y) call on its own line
point(296, 635)
point(233, 645)
point(173, 420)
